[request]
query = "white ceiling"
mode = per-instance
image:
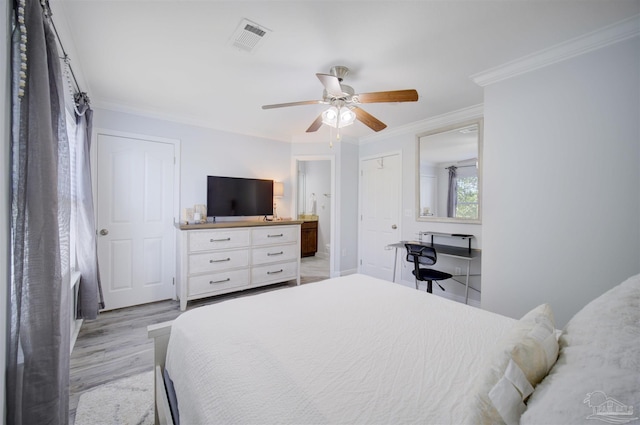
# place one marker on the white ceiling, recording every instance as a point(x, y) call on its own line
point(172, 59)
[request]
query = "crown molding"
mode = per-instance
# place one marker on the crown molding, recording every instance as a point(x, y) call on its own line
point(449, 118)
point(620, 31)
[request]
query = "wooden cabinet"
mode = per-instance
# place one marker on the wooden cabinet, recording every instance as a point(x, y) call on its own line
point(309, 238)
point(217, 260)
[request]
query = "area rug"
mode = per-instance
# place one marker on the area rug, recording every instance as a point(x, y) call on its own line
point(125, 401)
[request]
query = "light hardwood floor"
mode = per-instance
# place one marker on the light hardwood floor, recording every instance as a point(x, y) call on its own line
point(115, 345)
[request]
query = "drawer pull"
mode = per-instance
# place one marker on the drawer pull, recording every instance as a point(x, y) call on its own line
point(270, 254)
point(211, 282)
point(220, 240)
point(275, 236)
point(220, 261)
point(276, 272)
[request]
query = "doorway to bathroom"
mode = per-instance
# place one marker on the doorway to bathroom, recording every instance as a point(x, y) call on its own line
point(315, 207)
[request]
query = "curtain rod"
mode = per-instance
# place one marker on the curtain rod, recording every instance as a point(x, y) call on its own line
point(66, 58)
point(459, 166)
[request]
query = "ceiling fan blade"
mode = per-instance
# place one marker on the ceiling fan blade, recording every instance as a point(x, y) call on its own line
point(369, 120)
point(331, 84)
point(303, 102)
point(387, 96)
point(315, 125)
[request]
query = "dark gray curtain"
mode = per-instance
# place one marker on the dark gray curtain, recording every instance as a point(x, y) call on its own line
point(452, 195)
point(90, 298)
point(38, 347)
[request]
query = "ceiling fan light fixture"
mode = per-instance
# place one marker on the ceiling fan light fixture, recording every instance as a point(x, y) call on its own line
point(347, 116)
point(330, 117)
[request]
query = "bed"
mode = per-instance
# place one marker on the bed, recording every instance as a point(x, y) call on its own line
point(356, 349)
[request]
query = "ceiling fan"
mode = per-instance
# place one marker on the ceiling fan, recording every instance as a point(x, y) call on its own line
point(345, 103)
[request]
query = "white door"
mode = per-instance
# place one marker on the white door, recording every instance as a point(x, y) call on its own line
point(379, 214)
point(136, 249)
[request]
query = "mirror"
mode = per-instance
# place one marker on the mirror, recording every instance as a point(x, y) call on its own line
point(449, 170)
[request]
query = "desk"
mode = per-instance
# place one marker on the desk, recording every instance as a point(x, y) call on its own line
point(466, 254)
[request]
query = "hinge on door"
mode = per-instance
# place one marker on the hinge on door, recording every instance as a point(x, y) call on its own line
point(361, 261)
point(174, 281)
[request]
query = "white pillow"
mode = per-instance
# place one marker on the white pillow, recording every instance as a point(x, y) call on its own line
point(522, 359)
point(598, 355)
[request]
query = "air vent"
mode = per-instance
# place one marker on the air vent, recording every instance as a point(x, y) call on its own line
point(248, 35)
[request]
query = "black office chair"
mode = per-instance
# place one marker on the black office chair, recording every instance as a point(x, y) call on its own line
point(425, 255)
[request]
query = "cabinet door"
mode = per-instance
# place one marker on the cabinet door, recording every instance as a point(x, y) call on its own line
point(309, 239)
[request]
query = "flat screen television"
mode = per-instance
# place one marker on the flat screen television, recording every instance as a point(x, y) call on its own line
point(235, 196)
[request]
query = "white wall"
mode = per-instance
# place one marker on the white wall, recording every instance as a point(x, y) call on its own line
point(348, 193)
point(206, 151)
point(5, 126)
point(561, 218)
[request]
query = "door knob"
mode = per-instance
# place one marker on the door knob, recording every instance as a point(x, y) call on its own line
point(104, 232)
point(394, 227)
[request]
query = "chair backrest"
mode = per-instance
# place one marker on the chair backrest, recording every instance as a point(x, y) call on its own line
point(423, 254)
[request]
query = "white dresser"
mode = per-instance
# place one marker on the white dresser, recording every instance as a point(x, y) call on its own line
point(218, 258)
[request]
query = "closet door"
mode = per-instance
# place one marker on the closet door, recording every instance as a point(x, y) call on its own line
point(136, 249)
point(380, 191)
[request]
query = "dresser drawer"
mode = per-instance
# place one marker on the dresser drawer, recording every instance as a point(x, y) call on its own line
point(218, 282)
point(275, 235)
point(218, 239)
point(271, 254)
point(262, 275)
point(218, 260)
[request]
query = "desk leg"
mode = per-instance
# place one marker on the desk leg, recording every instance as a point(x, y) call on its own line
point(466, 295)
point(395, 263)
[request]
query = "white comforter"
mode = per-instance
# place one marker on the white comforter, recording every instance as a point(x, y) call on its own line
point(348, 350)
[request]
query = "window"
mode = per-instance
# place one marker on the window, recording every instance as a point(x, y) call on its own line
point(467, 197)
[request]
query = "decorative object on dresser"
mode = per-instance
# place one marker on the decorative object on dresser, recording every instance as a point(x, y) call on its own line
point(217, 258)
point(309, 238)
point(278, 192)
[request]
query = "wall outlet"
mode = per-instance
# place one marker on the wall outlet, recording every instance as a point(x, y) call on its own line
point(458, 271)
